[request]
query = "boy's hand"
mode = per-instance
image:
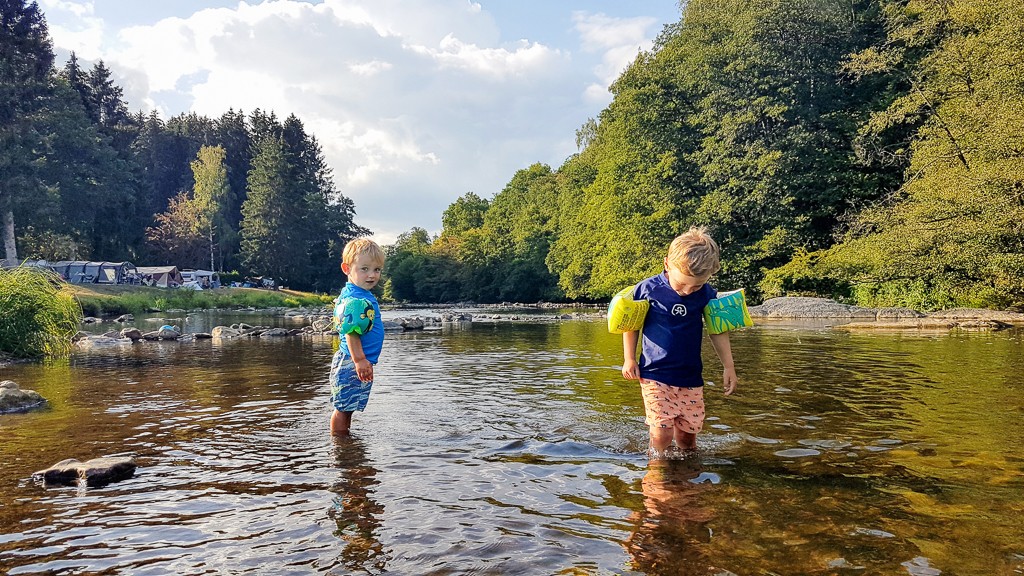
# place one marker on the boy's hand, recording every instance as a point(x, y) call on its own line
point(729, 380)
point(630, 370)
point(364, 370)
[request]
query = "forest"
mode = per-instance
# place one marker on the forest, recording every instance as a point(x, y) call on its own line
point(869, 151)
point(83, 178)
point(866, 150)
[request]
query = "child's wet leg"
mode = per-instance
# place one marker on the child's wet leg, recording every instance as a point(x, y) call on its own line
point(687, 441)
point(661, 439)
point(340, 423)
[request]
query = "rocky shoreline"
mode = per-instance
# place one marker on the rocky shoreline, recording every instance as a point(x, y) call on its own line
point(849, 317)
point(821, 312)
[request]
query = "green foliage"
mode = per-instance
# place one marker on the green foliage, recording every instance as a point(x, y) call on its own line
point(489, 251)
point(954, 234)
point(38, 316)
point(211, 197)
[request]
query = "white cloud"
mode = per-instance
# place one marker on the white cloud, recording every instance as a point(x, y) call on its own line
point(618, 40)
point(80, 31)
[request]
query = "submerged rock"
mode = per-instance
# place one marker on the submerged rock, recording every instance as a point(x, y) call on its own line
point(101, 342)
point(14, 399)
point(95, 472)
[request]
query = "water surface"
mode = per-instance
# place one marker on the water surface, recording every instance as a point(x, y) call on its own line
point(519, 449)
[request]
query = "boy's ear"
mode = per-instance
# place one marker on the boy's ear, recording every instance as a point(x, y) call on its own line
point(346, 268)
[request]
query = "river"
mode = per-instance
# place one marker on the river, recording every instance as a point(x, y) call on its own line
point(517, 448)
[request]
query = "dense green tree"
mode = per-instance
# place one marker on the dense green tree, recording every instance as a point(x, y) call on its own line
point(406, 259)
point(232, 133)
point(26, 61)
point(211, 196)
point(954, 234)
point(176, 236)
point(273, 217)
point(466, 213)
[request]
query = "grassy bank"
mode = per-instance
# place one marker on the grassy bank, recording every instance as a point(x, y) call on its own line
point(101, 300)
point(38, 314)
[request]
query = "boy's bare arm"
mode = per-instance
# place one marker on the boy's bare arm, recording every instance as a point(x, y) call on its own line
point(630, 370)
point(363, 367)
point(724, 350)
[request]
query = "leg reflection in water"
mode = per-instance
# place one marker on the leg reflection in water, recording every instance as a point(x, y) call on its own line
point(672, 533)
point(355, 511)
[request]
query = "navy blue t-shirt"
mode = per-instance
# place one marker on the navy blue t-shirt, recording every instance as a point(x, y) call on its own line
point(673, 329)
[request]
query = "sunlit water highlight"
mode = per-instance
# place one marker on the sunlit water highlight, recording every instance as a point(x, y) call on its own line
point(519, 449)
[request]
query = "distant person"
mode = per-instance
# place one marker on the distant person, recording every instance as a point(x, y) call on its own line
point(361, 341)
point(670, 367)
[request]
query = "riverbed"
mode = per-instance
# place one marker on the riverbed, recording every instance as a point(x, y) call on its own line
point(517, 448)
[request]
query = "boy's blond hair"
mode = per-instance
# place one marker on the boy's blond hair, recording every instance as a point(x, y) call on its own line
point(362, 246)
point(695, 253)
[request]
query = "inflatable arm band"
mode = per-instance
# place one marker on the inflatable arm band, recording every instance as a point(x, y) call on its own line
point(727, 312)
point(354, 316)
point(626, 314)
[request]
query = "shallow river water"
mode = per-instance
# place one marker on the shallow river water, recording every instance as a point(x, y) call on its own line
point(517, 448)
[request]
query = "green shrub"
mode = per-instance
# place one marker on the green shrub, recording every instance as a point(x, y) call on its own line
point(38, 314)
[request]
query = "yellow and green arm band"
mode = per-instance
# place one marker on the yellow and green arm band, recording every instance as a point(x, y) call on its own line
point(727, 312)
point(626, 314)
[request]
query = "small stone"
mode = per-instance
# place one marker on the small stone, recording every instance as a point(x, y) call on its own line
point(95, 472)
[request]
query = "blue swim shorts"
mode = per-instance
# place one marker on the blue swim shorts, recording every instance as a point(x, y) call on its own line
point(348, 394)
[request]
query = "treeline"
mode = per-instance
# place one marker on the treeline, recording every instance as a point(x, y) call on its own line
point(81, 177)
point(871, 150)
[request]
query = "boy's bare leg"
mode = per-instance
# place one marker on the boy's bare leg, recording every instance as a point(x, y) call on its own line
point(686, 440)
point(661, 439)
point(340, 423)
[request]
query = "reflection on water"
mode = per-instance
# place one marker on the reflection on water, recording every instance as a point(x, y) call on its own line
point(354, 509)
point(519, 449)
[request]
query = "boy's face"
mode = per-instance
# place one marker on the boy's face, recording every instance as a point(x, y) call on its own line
point(681, 282)
point(364, 272)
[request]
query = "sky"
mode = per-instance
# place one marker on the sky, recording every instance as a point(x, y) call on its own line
point(414, 102)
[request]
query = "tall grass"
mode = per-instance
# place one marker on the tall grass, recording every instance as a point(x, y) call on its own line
point(162, 299)
point(38, 314)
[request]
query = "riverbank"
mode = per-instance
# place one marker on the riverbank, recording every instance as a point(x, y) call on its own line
point(849, 317)
point(103, 300)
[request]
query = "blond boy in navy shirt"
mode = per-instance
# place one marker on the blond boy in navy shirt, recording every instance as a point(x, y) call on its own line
point(670, 367)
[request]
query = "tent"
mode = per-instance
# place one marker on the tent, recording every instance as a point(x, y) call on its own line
point(203, 278)
point(82, 272)
point(162, 276)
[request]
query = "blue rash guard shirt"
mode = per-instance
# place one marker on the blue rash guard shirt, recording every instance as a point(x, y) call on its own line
point(372, 341)
point(672, 333)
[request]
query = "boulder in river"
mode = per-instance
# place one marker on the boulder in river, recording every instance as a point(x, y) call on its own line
point(95, 472)
point(803, 307)
point(14, 399)
point(224, 332)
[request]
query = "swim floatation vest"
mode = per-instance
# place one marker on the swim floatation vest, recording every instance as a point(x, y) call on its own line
point(726, 312)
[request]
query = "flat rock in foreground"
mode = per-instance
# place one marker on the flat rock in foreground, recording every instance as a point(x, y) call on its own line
point(95, 472)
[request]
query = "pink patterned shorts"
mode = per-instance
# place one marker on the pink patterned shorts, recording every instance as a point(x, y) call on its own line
point(672, 406)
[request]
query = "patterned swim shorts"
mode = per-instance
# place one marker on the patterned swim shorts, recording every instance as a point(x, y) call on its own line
point(672, 406)
point(348, 393)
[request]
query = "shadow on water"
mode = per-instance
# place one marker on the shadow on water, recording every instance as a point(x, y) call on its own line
point(519, 449)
